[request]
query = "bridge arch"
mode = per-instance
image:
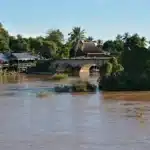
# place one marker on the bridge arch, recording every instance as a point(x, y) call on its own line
point(85, 70)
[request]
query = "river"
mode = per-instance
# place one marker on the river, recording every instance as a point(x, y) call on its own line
point(69, 122)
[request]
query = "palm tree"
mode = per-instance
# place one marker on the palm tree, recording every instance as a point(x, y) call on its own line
point(76, 36)
point(99, 43)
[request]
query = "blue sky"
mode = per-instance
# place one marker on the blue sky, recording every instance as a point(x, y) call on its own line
point(102, 19)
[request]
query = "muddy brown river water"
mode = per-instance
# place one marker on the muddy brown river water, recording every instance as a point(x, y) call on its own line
point(69, 122)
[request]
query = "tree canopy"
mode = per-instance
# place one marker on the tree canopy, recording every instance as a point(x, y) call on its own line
point(54, 45)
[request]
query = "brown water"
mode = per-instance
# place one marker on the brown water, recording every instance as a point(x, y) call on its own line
point(70, 122)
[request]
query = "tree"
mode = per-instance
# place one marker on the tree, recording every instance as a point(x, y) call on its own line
point(125, 36)
point(55, 36)
point(99, 43)
point(76, 36)
point(48, 49)
point(35, 44)
point(135, 40)
point(64, 51)
point(4, 39)
point(54, 45)
point(109, 46)
point(111, 67)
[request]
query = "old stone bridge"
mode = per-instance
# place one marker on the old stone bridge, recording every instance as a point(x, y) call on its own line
point(85, 63)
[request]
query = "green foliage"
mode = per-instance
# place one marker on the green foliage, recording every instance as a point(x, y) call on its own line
point(79, 86)
point(55, 36)
point(53, 44)
point(59, 76)
point(4, 39)
point(136, 72)
point(135, 60)
point(111, 67)
point(50, 46)
point(124, 41)
point(75, 37)
point(83, 86)
point(129, 68)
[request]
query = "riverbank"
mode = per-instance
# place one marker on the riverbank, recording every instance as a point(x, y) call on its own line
point(127, 95)
point(40, 73)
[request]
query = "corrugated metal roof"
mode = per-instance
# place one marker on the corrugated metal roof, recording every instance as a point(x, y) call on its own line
point(24, 56)
point(3, 57)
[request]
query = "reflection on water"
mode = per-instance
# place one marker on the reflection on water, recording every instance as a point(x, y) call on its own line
point(69, 122)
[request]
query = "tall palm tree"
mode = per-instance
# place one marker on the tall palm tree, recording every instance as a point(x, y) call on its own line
point(99, 43)
point(76, 36)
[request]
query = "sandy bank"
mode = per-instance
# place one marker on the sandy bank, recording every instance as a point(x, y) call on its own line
point(136, 96)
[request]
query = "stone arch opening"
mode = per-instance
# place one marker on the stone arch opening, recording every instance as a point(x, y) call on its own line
point(86, 69)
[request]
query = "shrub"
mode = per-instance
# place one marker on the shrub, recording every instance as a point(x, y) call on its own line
point(59, 76)
point(83, 86)
point(78, 86)
point(124, 82)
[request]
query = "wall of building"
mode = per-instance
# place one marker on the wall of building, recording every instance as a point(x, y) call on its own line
point(81, 62)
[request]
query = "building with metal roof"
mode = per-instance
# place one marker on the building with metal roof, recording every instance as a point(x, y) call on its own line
point(3, 58)
point(25, 56)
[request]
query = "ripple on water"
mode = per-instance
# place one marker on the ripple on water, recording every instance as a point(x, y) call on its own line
point(71, 122)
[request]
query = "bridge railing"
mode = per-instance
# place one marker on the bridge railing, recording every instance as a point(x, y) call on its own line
point(78, 58)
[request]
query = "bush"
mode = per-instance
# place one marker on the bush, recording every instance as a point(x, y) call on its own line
point(79, 86)
point(83, 86)
point(59, 76)
point(124, 82)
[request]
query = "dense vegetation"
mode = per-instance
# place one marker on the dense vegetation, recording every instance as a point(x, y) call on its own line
point(77, 86)
point(53, 45)
point(59, 77)
point(129, 70)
